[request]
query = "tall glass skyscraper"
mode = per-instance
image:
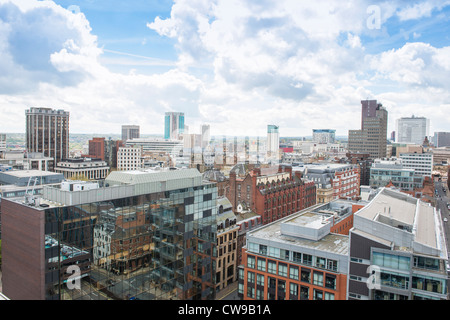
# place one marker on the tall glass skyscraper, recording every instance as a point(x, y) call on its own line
point(173, 125)
point(273, 141)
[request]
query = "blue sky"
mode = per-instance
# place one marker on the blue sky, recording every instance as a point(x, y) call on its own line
point(237, 65)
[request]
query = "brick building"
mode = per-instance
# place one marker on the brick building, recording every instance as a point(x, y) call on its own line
point(300, 257)
point(273, 193)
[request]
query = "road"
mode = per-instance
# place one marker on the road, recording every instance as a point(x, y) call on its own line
point(442, 199)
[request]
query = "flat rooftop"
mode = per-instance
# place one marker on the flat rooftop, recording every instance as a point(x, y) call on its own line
point(403, 211)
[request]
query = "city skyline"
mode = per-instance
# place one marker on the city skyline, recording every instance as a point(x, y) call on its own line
point(237, 66)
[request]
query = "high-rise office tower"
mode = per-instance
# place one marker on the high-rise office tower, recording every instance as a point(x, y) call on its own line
point(413, 129)
point(273, 141)
point(47, 132)
point(372, 136)
point(130, 132)
point(173, 125)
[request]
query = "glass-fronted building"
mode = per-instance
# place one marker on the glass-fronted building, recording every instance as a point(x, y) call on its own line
point(148, 236)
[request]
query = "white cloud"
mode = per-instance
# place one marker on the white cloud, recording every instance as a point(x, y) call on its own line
point(296, 64)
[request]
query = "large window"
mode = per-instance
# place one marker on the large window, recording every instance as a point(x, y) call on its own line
point(282, 269)
point(429, 284)
point(426, 263)
point(318, 278)
point(391, 261)
point(261, 264)
point(293, 272)
point(272, 267)
point(305, 275)
point(251, 262)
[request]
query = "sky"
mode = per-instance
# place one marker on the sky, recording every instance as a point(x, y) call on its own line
point(237, 65)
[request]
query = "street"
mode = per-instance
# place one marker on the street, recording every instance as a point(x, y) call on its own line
point(442, 200)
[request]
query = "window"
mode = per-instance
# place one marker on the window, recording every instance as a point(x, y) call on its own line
point(318, 294)
point(260, 280)
point(318, 278)
point(320, 262)
point(305, 275)
point(296, 256)
point(282, 270)
point(272, 267)
point(332, 265)
point(304, 293)
point(284, 254)
point(261, 264)
point(330, 281)
point(293, 291)
point(262, 249)
point(250, 277)
point(307, 259)
point(329, 296)
point(251, 262)
point(293, 272)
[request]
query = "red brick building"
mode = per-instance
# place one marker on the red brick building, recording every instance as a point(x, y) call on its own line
point(273, 193)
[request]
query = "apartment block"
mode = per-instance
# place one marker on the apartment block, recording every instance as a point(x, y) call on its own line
point(386, 171)
point(300, 257)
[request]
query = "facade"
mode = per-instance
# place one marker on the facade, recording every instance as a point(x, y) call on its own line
point(173, 125)
point(397, 250)
point(47, 132)
point(297, 258)
point(105, 150)
point(272, 195)
point(422, 163)
point(441, 139)
point(2, 142)
point(365, 162)
point(273, 141)
point(171, 147)
point(130, 132)
point(145, 236)
point(129, 158)
point(385, 171)
point(333, 180)
point(412, 129)
point(227, 245)
point(30, 178)
point(83, 168)
point(372, 137)
point(324, 135)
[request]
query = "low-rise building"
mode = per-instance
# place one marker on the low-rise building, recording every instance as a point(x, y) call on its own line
point(86, 168)
point(398, 250)
point(298, 257)
point(333, 181)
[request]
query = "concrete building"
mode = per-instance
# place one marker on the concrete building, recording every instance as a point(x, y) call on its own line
point(412, 129)
point(83, 168)
point(441, 139)
point(324, 135)
point(372, 137)
point(129, 158)
point(130, 132)
point(397, 250)
point(47, 132)
point(385, 171)
point(422, 163)
point(105, 234)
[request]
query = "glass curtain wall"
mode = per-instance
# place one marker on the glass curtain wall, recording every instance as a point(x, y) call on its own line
point(150, 247)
